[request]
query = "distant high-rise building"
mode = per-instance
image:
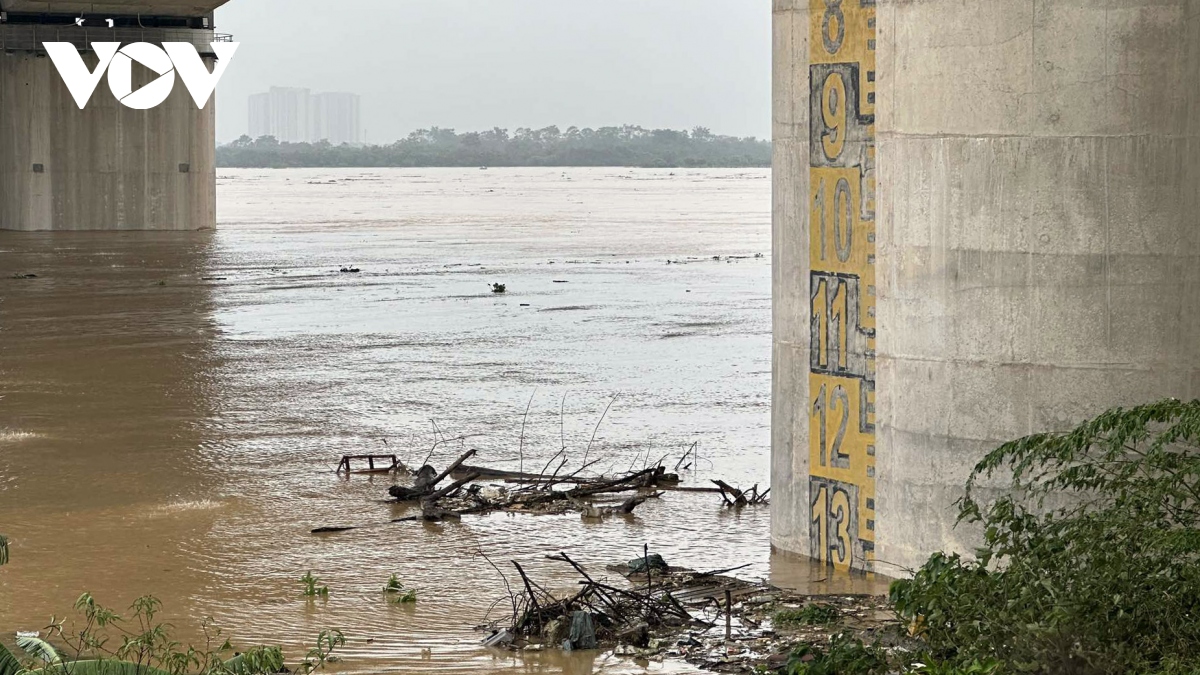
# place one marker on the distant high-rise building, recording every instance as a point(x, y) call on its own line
point(335, 117)
point(260, 115)
point(289, 114)
point(297, 116)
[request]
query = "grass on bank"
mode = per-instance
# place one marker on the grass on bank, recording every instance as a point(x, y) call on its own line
point(102, 642)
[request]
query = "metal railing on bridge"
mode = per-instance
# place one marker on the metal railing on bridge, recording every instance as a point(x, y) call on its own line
point(29, 38)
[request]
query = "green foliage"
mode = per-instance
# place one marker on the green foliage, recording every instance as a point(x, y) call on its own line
point(397, 593)
point(9, 665)
point(1089, 563)
point(105, 643)
point(98, 667)
point(327, 642)
point(256, 660)
point(38, 648)
point(606, 146)
point(990, 667)
point(845, 656)
point(813, 614)
point(312, 588)
point(393, 585)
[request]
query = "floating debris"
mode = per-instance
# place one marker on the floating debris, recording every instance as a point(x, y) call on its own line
point(387, 464)
point(735, 498)
point(545, 493)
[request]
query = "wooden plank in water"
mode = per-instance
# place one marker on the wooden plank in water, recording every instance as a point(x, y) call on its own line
point(391, 461)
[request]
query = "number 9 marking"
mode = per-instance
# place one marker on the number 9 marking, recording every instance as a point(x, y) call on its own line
point(833, 112)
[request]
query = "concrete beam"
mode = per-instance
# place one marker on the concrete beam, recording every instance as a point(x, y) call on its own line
point(189, 8)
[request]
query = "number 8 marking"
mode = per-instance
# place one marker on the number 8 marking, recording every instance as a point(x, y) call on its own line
point(833, 13)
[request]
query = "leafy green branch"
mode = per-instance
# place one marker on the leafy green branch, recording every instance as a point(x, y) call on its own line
point(1090, 557)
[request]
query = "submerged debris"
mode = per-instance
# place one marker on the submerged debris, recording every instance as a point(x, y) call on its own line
point(654, 563)
point(708, 619)
point(542, 493)
point(537, 494)
point(387, 464)
point(735, 498)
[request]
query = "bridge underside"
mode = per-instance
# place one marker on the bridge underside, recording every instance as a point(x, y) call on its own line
point(107, 167)
point(185, 8)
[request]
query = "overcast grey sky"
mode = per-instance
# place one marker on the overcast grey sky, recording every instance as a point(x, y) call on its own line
point(475, 64)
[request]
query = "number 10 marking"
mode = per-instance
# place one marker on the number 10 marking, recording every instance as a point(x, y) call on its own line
point(843, 219)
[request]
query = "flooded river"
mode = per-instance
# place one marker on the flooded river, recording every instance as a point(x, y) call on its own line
point(173, 405)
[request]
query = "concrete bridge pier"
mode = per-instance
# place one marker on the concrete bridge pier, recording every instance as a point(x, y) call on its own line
point(1034, 170)
point(107, 167)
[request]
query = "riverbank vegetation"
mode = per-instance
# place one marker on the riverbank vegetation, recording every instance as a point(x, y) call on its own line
point(630, 146)
point(1090, 560)
point(103, 642)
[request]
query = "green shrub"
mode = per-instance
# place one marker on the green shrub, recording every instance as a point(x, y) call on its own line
point(1090, 562)
point(845, 656)
point(934, 667)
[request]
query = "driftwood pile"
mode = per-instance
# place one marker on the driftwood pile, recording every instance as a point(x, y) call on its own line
point(712, 620)
point(537, 493)
point(599, 613)
point(657, 610)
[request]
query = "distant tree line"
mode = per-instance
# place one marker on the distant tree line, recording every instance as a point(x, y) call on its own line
point(606, 146)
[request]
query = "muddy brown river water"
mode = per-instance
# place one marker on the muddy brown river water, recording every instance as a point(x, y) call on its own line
point(173, 405)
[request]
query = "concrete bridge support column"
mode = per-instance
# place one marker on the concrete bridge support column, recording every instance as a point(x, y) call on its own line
point(823, 466)
point(106, 167)
point(1038, 242)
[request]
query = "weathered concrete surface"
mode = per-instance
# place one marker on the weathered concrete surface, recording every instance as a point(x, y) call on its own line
point(790, 267)
point(825, 319)
point(103, 168)
point(1039, 248)
point(192, 8)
